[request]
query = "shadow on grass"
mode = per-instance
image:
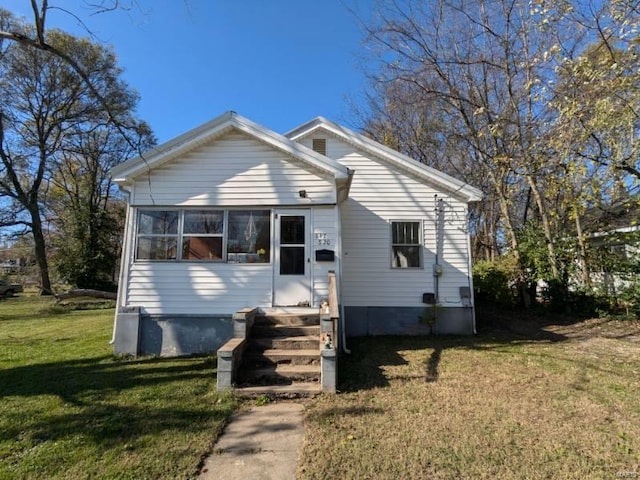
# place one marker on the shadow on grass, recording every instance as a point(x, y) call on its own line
point(96, 404)
point(74, 379)
point(364, 369)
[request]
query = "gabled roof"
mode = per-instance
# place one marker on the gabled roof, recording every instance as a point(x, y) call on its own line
point(407, 164)
point(127, 171)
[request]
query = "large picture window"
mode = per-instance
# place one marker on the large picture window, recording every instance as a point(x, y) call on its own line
point(406, 244)
point(249, 236)
point(234, 236)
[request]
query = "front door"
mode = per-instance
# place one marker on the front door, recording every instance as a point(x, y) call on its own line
point(292, 272)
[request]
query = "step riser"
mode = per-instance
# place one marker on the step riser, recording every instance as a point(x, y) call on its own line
point(264, 359)
point(295, 390)
point(262, 331)
point(298, 320)
point(282, 344)
point(255, 378)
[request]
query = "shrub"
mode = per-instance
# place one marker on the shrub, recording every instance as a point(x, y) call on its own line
point(492, 281)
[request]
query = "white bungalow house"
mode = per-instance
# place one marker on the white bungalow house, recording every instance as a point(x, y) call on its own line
point(233, 215)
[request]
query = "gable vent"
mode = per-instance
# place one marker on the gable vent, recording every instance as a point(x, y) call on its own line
point(320, 145)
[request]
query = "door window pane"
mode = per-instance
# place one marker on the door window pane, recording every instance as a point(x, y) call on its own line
point(292, 230)
point(292, 260)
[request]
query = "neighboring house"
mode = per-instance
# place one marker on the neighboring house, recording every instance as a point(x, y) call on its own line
point(233, 215)
point(618, 254)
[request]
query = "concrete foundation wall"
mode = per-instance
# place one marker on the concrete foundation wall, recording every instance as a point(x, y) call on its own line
point(176, 335)
point(365, 321)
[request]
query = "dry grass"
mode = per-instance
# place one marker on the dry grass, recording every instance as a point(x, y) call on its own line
point(561, 402)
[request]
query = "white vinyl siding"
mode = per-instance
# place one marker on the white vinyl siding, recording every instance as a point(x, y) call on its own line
point(378, 195)
point(325, 225)
point(235, 170)
point(220, 288)
point(188, 288)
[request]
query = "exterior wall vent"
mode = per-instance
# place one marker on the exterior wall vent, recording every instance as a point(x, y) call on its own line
point(320, 145)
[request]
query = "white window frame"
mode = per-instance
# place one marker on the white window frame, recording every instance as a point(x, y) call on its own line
point(419, 245)
point(181, 235)
point(222, 235)
point(176, 235)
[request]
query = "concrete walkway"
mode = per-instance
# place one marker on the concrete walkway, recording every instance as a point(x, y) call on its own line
point(259, 443)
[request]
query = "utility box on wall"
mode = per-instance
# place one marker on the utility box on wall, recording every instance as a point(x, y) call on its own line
point(429, 298)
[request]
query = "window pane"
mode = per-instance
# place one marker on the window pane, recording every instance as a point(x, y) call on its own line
point(292, 230)
point(405, 233)
point(249, 231)
point(203, 221)
point(202, 248)
point(406, 257)
point(161, 222)
point(157, 248)
point(292, 260)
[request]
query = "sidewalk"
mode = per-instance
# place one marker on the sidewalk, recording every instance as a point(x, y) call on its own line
point(259, 443)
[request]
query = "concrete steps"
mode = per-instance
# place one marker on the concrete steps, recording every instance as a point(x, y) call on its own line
point(294, 390)
point(275, 330)
point(290, 342)
point(282, 358)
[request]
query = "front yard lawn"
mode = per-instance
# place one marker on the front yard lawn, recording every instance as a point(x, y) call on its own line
point(70, 410)
point(563, 402)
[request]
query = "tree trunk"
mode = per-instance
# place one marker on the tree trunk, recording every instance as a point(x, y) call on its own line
point(582, 254)
point(546, 226)
point(40, 251)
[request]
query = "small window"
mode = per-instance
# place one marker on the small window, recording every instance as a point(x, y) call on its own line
point(319, 145)
point(406, 245)
point(202, 235)
point(157, 235)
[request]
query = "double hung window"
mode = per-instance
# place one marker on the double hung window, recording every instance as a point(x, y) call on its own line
point(406, 244)
point(202, 236)
point(158, 235)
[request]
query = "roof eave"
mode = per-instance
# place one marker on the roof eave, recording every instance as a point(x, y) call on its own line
point(128, 170)
point(452, 185)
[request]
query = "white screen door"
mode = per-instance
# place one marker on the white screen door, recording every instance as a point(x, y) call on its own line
point(292, 270)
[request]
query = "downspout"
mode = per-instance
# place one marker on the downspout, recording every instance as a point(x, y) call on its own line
point(342, 323)
point(470, 277)
point(124, 263)
point(437, 268)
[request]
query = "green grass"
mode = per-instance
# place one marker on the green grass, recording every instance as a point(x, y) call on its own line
point(69, 409)
point(561, 404)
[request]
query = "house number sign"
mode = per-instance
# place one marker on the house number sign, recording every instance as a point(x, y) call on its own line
point(322, 239)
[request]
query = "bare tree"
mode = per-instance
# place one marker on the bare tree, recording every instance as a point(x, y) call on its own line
point(45, 104)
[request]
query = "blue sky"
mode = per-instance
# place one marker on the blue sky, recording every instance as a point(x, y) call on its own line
point(277, 62)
